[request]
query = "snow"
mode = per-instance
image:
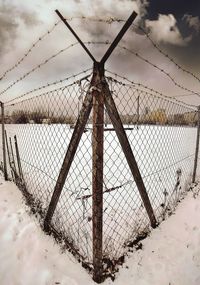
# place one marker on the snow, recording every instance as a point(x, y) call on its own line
point(159, 151)
point(169, 256)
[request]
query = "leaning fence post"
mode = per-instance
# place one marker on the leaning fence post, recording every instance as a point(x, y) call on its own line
point(3, 142)
point(197, 147)
point(13, 159)
point(18, 158)
point(9, 158)
point(97, 172)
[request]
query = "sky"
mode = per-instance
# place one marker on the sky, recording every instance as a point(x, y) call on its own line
point(174, 26)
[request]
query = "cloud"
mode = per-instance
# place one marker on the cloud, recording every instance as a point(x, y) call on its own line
point(10, 20)
point(165, 30)
point(108, 10)
point(193, 22)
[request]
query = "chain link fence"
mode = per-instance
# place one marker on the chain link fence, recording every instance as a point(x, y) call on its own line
point(161, 133)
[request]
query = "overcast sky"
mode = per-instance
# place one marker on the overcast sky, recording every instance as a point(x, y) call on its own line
point(173, 24)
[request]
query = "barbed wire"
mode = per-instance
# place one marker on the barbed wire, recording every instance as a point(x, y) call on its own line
point(167, 55)
point(106, 43)
point(37, 67)
point(47, 92)
point(49, 59)
point(48, 85)
point(151, 90)
point(29, 50)
point(111, 20)
point(108, 20)
point(41, 38)
point(160, 69)
point(184, 95)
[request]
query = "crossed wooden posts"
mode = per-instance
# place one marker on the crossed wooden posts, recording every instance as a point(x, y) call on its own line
point(97, 97)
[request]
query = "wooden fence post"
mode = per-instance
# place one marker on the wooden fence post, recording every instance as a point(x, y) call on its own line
point(13, 159)
point(197, 147)
point(9, 158)
point(3, 142)
point(97, 172)
point(18, 159)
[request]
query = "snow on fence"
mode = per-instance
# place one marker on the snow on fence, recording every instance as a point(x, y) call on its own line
point(162, 136)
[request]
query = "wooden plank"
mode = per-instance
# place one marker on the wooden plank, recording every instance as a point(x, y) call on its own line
point(121, 134)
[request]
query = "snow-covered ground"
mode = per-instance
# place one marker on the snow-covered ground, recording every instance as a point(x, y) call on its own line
point(169, 256)
point(160, 151)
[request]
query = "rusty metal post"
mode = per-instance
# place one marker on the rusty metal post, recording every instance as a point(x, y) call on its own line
point(197, 147)
point(121, 134)
point(3, 142)
point(97, 171)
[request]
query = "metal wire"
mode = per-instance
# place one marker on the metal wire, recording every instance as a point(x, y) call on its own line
point(160, 69)
point(167, 55)
point(48, 60)
point(29, 51)
point(162, 135)
point(47, 85)
point(110, 20)
point(151, 90)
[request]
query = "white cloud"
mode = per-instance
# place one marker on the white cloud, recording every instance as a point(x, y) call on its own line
point(165, 30)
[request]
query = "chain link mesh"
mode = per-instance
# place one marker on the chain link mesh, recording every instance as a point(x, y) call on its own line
point(162, 135)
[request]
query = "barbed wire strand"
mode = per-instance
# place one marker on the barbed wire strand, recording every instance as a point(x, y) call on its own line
point(160, 69)
point(111, 20)
point(167, 55)
point(152, 90)
point(48, 60)
point(47, 92)
point(29, 50)
point(48, 85)
point(106, 43)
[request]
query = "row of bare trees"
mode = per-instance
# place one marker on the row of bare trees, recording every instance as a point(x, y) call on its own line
point(37, 117)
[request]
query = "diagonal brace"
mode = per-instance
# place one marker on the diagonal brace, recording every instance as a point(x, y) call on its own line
point(75, 35)
point(73, 145)
point(112, 46)
point(119, 37)
point(116, 121)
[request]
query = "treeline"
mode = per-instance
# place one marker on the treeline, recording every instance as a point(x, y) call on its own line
point(37, 117)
